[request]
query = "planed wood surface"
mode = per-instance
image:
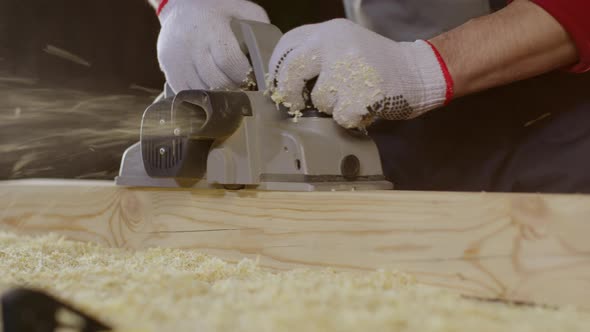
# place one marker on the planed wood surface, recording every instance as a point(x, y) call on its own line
point(532, 248)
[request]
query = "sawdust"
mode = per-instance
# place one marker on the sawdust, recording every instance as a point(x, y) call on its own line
point(174, 290)
point(66, 55)
point(249, 83)
point(18, 80)
point(289, 92)
point(350, 85)
point(357, 85)
point(279, 100)
point(151, 91)
point(60, 132)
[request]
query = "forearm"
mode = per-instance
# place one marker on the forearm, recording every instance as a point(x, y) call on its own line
point(518, 42)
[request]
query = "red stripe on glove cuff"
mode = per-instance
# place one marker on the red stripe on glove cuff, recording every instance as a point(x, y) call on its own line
point(161, 6)
point(446, 73)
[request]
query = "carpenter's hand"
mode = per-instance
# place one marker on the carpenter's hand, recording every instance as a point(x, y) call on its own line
point(197, 48)
point(362, 75)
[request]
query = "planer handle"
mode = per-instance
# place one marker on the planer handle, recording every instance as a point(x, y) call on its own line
point(258, 41)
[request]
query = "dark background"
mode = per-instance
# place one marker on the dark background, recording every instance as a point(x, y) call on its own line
point(60, 119)
point(118, 37)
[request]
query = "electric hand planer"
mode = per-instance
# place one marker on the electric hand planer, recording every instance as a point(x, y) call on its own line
point(237, 139)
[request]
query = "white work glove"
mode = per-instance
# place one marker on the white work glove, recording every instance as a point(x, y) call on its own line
point(197, 48)
point(362, 75)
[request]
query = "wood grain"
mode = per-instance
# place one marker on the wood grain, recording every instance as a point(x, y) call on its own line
point(531, 248)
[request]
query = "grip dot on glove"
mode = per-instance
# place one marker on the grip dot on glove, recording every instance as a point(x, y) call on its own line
point(278, 67)
point(392, 108)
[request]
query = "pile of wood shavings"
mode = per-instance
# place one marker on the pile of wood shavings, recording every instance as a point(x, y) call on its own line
point(174, 290)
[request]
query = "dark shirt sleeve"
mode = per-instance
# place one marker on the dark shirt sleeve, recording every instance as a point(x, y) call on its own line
point(574, 16)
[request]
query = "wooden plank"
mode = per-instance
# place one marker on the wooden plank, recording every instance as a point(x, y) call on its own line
point(510, 246)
